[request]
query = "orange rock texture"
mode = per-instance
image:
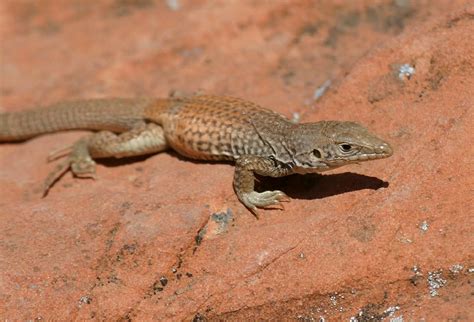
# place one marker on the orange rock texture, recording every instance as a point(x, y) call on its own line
point(165, 238)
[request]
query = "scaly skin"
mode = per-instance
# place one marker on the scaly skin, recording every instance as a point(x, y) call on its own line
point(202, 127)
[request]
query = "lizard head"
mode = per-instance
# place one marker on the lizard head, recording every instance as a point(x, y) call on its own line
point(327, 145)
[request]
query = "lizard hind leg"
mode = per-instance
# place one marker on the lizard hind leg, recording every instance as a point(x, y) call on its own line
point(140, 140)
point(78, 160)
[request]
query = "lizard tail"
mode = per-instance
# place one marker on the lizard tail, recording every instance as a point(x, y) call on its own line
point(116, 115)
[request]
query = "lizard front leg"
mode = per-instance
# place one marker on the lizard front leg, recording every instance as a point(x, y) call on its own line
point(244, 181)
point(140, 140)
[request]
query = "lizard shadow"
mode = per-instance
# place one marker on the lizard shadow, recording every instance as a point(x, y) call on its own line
point(308, 186)
point(318, 186)
point(114, 162)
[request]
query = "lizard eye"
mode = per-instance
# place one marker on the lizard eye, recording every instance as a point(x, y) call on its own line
point(345, 147)
point(317, 153)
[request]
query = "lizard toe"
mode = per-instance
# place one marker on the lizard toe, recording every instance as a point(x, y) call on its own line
point(264, 199)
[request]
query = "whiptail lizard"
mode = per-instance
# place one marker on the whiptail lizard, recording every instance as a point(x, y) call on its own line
point(202, 127)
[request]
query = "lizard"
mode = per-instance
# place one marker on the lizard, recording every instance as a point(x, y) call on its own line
point(204, 127)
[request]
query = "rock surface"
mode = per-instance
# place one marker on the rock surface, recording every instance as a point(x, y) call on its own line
point(165, 238)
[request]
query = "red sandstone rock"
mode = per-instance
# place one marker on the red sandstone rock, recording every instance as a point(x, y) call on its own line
point(142, 242)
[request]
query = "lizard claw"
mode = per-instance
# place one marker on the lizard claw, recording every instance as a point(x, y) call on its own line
point(78, 161)
point(266, 199)
point(82, 168)
point(54, 176)
point(254, 211)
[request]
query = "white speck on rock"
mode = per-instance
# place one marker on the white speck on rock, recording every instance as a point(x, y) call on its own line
point(435, 282)
point(321, 90)
point(391, 310)
point(424, 226)
point(173, 4)
point(406, 71)
point(397, 319)
point(456, 268)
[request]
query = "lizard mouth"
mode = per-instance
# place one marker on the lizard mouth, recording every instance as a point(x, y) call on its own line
point(369, 156)
point(357, 158)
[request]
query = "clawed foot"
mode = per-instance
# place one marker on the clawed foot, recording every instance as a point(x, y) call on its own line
point(266, 199)
point(78, 161)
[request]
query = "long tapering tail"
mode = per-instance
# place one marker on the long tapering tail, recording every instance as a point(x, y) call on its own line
point(117, 115)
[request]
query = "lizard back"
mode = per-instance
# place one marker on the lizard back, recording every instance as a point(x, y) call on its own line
point(218, 128)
